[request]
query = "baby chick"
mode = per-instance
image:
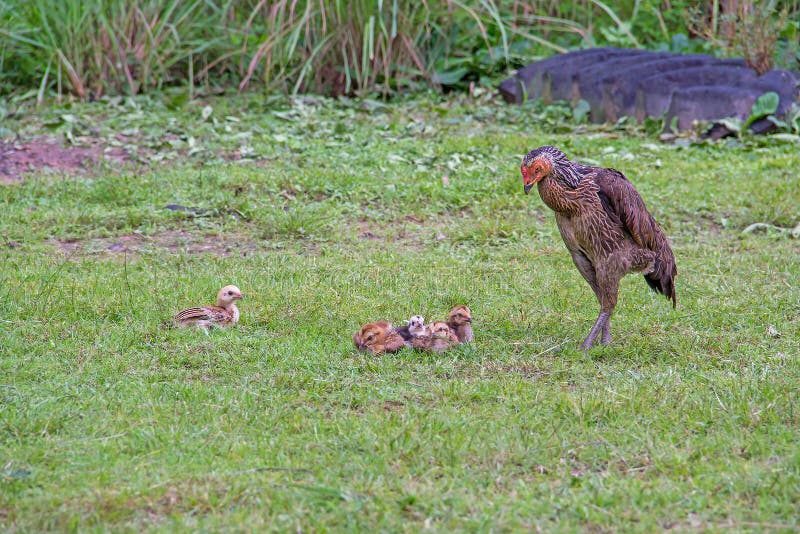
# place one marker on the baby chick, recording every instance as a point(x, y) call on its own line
point(459, 320)
point(370, 335)
point(377, 338)
point(442, 337)
point(421, 343)
point(415, 328)
point(225, 313)
point(439, 339)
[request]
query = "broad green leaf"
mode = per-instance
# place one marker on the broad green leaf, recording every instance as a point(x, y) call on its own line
point(450, 77)
point(581, 110)
point(766, 104)
point(786, 137)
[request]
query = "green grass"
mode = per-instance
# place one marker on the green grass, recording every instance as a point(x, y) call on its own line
point(110, 421)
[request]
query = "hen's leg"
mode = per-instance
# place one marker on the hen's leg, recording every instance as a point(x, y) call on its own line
point(602, 325)
point(605, 338)
point(587, 270)
point(599, 326)
point(607, 286)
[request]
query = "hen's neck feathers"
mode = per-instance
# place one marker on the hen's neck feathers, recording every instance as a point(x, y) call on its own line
point(559, 197)
point(567, 173)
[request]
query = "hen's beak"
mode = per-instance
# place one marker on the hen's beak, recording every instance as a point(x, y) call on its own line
point(528, 188)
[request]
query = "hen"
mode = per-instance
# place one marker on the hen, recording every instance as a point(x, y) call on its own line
point(606, 227)
point(440, 339)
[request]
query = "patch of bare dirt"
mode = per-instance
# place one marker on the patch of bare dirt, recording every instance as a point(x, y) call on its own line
point(173, 240)
point(390, 406)
point(366, 230)
point(18, 158)
point(398, 234)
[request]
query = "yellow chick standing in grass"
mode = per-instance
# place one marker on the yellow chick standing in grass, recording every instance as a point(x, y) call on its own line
point(224, 314)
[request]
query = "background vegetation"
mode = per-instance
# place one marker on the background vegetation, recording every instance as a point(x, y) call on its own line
point(96, 47)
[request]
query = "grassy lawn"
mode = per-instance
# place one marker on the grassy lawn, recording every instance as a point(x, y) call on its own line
point(328, 216)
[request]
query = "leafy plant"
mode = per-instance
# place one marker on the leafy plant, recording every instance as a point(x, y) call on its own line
point(764, 106)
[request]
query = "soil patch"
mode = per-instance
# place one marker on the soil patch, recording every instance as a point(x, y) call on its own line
point(174, 241)
point(18, 158)
point(408, 232)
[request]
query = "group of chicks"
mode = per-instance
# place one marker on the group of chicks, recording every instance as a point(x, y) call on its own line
point(381, 336)
point(377, 338)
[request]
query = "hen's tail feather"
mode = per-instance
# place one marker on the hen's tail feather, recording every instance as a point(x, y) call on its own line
point(662, 280)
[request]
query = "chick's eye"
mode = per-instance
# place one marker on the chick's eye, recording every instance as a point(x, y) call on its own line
point(230, 292)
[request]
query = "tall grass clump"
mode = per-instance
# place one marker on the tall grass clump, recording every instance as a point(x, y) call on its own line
point(94, 47)
point(749, 29)
point(91, 47)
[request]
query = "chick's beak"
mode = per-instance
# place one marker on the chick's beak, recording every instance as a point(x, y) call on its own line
point(469, 319)
point(238, 296)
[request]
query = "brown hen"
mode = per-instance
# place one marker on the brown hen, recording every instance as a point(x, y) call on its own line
point(606, 227)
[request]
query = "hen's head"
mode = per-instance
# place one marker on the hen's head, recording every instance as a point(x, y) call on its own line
point(539, 163)
point(227, 295)
point(416, 321)
point(459, 315)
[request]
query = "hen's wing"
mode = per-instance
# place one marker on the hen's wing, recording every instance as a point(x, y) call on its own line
point(623, 204)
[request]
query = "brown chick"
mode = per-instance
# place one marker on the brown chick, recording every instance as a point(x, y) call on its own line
point(422, 343)
point(460, 322)
point(442, 338)
point(370, 335)
point(224, 314)
point(377, 338)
